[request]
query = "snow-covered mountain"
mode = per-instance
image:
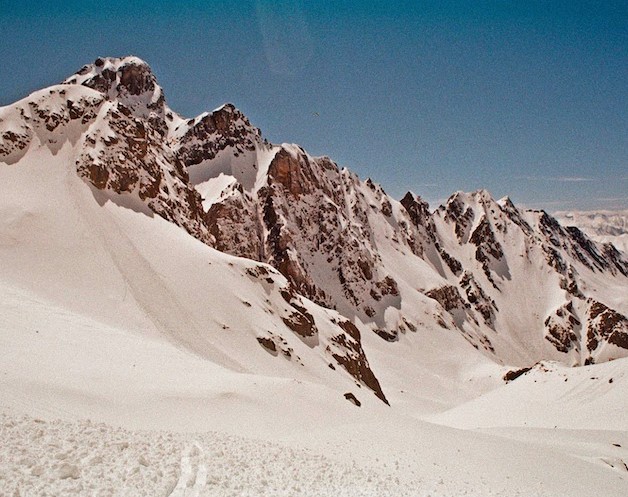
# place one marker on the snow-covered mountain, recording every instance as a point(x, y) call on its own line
point(142, 248)
point(515, 284)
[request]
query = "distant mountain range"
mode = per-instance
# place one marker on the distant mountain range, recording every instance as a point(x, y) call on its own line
point(602, 226)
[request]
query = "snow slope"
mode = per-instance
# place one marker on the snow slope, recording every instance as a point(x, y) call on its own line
point(550, 396)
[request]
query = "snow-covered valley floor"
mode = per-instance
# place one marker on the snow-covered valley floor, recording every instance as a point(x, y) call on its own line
point(50, 458)
point(89, 458)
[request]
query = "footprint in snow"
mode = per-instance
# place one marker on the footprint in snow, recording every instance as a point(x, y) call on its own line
point(190, 483)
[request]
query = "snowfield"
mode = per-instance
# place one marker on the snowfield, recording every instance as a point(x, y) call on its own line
point(95, 459)
point(55, 457)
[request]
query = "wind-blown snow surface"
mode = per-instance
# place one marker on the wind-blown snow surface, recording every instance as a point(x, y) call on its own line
point(133, 363)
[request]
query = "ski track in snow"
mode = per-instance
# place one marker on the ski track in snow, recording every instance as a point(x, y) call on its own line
point(198, 477)
point(85, 458)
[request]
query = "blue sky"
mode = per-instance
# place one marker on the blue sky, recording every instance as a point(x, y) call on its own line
point(524, 98)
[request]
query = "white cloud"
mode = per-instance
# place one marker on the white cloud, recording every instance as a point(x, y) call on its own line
point(561, 179)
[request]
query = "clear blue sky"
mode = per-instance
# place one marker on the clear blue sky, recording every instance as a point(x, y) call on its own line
point(524, 98)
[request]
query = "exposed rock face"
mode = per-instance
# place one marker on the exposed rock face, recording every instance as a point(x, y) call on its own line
point(293, 173)
point(488, 248)
point(233, 223)
point(352, 398)
point(354, 361)
point(14, 142)
point(421, 219)
point(300, 320)
point(447, 296)
point(129, 81)
point(343, 346)
point(513, 375)
point(268, 344)
point(562, 328)
point(605, 226)
point(577, 245)
point(482, 303)
point(52, 117)
point(460, 215)
point(309, 216)
point(605, 325)
point(615, 258)
point(514, 215)
point(121, 127)
point(127, 155)
point(203, 138)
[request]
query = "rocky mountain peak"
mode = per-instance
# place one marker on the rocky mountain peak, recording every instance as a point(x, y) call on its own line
point(203, 138)
point(127, 80)
point(129, 75)
point(506, 202)
point(226, 116)
point(477, 198)
point(483, 195)
point(419, 212)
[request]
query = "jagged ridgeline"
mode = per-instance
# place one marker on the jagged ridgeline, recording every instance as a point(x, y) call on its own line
point(515, 284)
